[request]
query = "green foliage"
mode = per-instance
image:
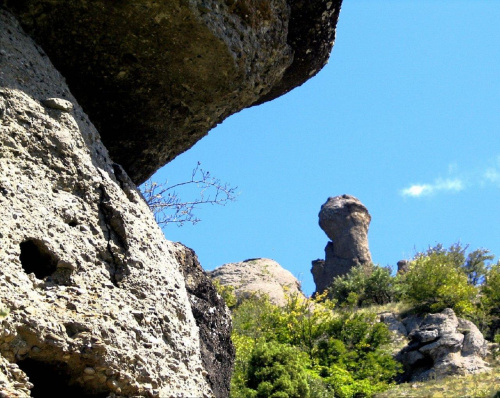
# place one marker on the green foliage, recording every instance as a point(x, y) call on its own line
point(490, 299)
point(226, 292)
point(330, 343)
point(436, 281)
point(364, 285)
point(277, 371)
point(476, 267)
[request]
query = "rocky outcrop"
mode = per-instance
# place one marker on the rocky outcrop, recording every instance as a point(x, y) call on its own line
point(155, 76)
point(442, 345)
point(403, 266)
point(97, 301)
point(213, 320)
point(258, 276)
point(345, 221)
point(311, 34)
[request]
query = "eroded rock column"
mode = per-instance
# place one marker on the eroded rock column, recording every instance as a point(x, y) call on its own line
point(345, 221)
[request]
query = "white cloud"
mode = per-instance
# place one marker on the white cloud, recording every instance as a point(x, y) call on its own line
point(481, 177)
point(417, 190)
point(492, 175)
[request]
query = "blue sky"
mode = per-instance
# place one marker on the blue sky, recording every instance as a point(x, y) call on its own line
point(405, 117)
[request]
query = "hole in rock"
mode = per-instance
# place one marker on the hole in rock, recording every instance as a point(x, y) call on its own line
point(73, 223)
point(36, 258)
point(51, 379)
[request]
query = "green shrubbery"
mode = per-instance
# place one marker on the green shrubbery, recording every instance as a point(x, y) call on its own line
point(327, 352)
point(436, 279)
point(364, 285)
point(321, 348)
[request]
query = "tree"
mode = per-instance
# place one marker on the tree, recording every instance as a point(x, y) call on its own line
point(169, 208)
point(436, 280)
point(474, 264)
point(476, 267)
point(490, 298)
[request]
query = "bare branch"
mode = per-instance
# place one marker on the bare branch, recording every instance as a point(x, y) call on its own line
point(167, 205)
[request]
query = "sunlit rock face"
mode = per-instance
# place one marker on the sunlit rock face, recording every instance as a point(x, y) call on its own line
point(442, 345)
point(97, 301)
point(156, 76)
point(345, 221)
point(259, 276)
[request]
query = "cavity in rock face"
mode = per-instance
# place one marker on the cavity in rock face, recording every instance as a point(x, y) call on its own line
point(213, 320)
point(345, 221)
point(156, 76)
point(94, 300)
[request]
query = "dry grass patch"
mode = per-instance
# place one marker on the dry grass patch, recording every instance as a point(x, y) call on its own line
point(484, 385)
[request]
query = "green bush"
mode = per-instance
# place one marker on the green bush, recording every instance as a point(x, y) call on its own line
point(364, 285)
point(490, 300)
point(436, 281)
point(324, 338)
point(277, 371)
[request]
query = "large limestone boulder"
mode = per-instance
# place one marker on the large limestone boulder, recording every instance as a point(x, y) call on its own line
point(345, 221)
point(259, 276)
point(213, 319)
point(442, 345)
point(155, 76)
point(97, 302)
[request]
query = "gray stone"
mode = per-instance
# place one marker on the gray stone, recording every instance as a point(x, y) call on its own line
point(443, 345)
point(474, 342)
point(56, 176)
point(155, 76)
point(58, 103)
point(424, 336)
point(213, 319)
point(393, 324)
point(261, 276)
point(403, 266)
point(345, 221)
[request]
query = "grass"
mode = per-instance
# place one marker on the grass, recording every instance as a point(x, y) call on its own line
point(483, 385)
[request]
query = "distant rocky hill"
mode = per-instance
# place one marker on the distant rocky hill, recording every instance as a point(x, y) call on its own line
point(258, 275)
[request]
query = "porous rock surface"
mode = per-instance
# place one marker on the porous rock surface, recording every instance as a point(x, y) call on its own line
point(442, 345)
point(155, 76)
point(97, 301)
point(261, 276)
point(213, 319)
point(345, 221)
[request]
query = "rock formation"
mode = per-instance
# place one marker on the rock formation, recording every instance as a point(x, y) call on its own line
point(442, 345)
point(403, 266)
point(213, 319)
point(345, 221)
point(97, 300)
point(258, 276)
point(155, 76)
